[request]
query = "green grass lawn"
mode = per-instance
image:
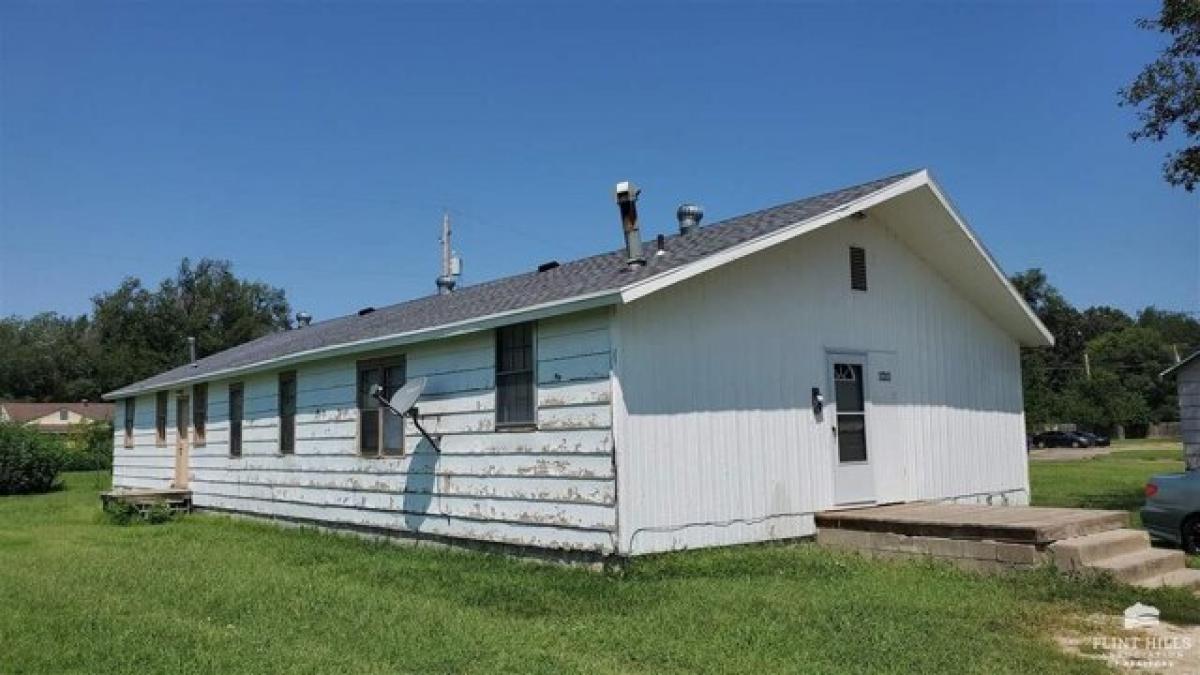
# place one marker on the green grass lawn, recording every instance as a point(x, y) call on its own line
point(1113, 481)
point(212, 594)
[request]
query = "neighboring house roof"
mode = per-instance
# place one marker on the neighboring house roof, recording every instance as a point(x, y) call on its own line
point(22, 412)
point(1179, 365)
point(599, 280)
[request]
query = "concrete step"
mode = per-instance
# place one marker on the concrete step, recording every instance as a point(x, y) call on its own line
point(1075, 553)
point(1139, 565)
point(1184, 578)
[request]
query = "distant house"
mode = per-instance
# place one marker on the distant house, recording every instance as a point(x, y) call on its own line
point(55, 418)
point(1187, 382)
point(720, 385)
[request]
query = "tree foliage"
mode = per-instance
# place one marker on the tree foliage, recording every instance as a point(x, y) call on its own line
point(134, 332)
point(1125, 354)
point(1167, 91)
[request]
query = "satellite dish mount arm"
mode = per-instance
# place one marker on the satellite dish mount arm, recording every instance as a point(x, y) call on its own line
point(412, 413)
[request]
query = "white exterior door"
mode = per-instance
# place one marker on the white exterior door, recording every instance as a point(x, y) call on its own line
point(853, 475)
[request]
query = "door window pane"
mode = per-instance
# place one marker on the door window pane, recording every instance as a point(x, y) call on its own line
point(852, 438)
point(851, 415)
point(847, 378)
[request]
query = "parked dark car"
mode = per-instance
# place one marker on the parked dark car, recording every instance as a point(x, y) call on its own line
point(1172, 510)
point(1097, 440)
point(1061, 439)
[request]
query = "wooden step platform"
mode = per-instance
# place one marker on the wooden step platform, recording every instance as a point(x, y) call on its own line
point(179, 500)
point(1016, 524)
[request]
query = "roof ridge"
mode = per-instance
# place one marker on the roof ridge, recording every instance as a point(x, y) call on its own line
point(591, 276)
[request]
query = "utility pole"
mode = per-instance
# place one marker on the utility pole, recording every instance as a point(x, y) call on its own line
point(1175, 350)
point(451, 265)
point(1087, 365)
point(445, 243)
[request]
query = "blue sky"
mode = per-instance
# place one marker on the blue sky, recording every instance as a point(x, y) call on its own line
point(316, 144)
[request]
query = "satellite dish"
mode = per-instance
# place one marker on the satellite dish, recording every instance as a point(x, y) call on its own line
point(403, 403)
point(406, 397)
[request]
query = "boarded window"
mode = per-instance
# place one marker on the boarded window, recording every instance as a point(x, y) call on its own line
point(287, 413)
point(200, 411)
point(235, 419)
point(380, 432)
point(130, 408)
point(160, 419)
point(858, 268)
point(515, 376)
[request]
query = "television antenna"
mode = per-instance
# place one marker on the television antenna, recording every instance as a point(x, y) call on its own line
point(403, 403)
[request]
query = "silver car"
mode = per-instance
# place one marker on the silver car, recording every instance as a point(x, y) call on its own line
point(1172, 510)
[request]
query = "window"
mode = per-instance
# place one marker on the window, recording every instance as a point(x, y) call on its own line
point(380, 433)
point(235, 420)
point(160, 419)
point(200, 411)
point(63, 416)
point(514, 376)
point(858, 268)
point(129, 410)
point(287, 413)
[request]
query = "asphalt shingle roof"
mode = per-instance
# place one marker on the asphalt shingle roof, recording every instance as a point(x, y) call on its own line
point(586, 276)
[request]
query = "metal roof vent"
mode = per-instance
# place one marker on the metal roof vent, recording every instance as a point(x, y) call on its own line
point(365, 311)
point(547, 266)
point(303, 319)
point(627, 195)
point(689, 216)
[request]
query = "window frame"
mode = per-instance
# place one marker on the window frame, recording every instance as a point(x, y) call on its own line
point(235, 421)
point(530, 424)
point(861, 253)
point(161, 400)
point(287, 428)
point(200, 414)
point(130, 411)
point(382, 364)
point(64, 415)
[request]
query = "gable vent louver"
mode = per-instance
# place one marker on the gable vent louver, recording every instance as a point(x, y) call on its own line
point(858, 268)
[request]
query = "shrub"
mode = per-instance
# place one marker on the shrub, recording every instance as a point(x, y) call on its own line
point(90, 447)
point(124, 513)
point(29, 461)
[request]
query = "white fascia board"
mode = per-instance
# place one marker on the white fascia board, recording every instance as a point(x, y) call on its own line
point(574, 304)
point(647, 286)
point(982, 250)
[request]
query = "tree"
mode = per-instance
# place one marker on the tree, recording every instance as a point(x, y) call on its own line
point(1167, 92)
point(144, 332)
point(134, 332)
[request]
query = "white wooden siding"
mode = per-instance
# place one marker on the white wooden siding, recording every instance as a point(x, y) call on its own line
point(551, 487)
point(715, 437)
point(145, 465)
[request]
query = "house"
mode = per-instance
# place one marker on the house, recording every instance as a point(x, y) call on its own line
point(1187, 382)
point(717, 386)
point(55, 418)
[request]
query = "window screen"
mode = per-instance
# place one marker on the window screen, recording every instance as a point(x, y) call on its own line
point(287, 413)
point(514, 376)
point(858, 268)
point(160, 418)
point(235, 419)
point(380, 432)
point(130, 408)
point(200, 411)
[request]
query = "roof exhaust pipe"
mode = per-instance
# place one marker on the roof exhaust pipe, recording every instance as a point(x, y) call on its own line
point(689, 216)
point(627, 195)
point(191, 350)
